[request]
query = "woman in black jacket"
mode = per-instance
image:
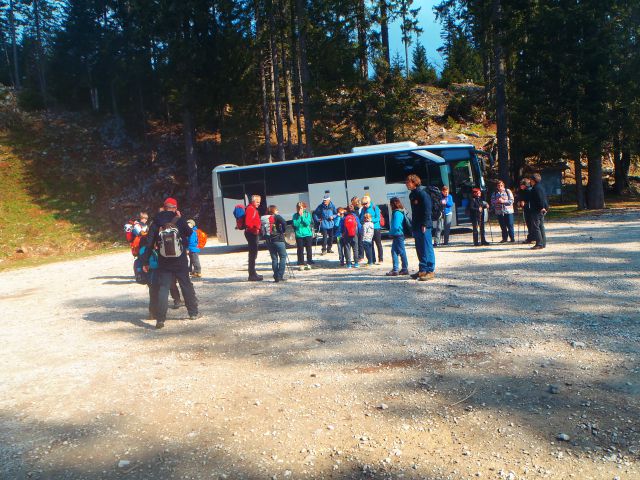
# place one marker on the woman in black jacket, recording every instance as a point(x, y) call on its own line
point(273, 228)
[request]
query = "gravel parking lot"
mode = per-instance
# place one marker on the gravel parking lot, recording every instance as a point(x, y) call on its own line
point(511, 364)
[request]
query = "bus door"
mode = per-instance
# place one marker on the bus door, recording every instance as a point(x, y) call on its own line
point(460, 184)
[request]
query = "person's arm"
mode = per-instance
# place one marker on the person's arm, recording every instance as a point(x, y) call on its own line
point(509, 201)
point(426, 216)
point(152, 237)
point(296, 221)
point(305, 219)
point(449, 201)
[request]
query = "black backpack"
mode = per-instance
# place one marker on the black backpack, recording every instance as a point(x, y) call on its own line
point(169, 240)
point(406, 225)
point(436, 202)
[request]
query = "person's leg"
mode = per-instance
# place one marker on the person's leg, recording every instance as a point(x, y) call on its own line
point(348, 246)
point(543, 232)
point(403, 254)
point(510, 230)
point(429, 253)
point(330, 241)
point(281, 250)
point(325, 240)
point(153, 295)
point(340, 250)
point(447, 227)
point(361, 245)
point(300, 250)
point(527, 220)
point(394, 254)
point(252, 242)
point(195, 261)
point(474, 223)
point(377, 238)
point(483, 238)
point(368, 250)
point(175, 292)
point(419, 238)
point(273, 252)
point(437, 228)
point(165, 280)
point(308, 243)
point(535, 229)
point(503, 227)
point(188, 292)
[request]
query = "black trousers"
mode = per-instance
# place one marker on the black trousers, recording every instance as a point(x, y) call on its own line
point(527, 220)
point(165, 280)
point(252, 241)
point(537, 229)
point(478, 224)
point(304, 243)
point(360, 244)
point(377, 241)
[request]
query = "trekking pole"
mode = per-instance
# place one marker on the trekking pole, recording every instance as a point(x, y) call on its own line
point(289, 266)
point(519, 228)
point(489, 222)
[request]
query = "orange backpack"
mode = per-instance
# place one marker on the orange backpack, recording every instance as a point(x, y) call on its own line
point(202, 238)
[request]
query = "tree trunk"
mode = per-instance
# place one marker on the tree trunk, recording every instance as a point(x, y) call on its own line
point(297, 82)
point(384, 31)
point(305, 75)
point(577, 166)
point(190, 153)
point(275, 81)
point(266, 124)
point(42, 81)
point(286, 73)
point(622, 162)
point(361, 20)
point(595, 190)
point(501, 97)
point(14, 45)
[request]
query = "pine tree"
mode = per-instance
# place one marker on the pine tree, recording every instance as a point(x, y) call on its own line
point(422, 71)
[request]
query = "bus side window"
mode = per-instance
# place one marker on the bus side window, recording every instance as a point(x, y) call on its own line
point(399, 165)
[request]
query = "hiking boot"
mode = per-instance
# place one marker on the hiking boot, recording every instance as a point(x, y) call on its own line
point(307, 267)
point(348, 265)
point(159, 324)
point(255, 278)
point(196, 275)
point(177, 304)
point(356, 265)
point(415, 275)
point(537, 247)
point(194, 316)
point(392, 273)
point(426, 276)
point(503, 240)
point(485, 243)
point(403, 272)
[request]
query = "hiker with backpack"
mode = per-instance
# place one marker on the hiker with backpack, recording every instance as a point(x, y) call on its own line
point(437, 211)
point(302, 226)
point(368, 207)
point(324, 215)
point(197, 241)
point(252, 234)
point(502, 205)
point(477, 206)
point(357, 209)
point(337, 233)
point(170, 233)
point(397, 226)
point(443, 226)
point(272, 228)
point(539, 205)
point(421, 225)
point(351, 229)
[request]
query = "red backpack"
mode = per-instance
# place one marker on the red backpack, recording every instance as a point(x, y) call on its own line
point(351, 226)
point(202, 238)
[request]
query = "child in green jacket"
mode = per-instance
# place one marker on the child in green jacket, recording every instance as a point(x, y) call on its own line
point(302, 222)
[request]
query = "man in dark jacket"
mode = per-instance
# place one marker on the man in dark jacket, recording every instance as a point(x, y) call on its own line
point(539, 205)
point(523, 203)
point(421, 225)
point(171, 268)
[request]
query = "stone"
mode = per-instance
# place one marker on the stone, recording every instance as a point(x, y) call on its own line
point(563, 437)
point(124, 463)
point(383, 406)
point(554, 389)
point(576, 344)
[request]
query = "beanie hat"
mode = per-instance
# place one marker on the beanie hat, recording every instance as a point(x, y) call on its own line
point(191, 222)
point(326, 197)
point(171, 202)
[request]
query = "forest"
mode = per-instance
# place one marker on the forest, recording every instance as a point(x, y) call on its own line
point(269, 80)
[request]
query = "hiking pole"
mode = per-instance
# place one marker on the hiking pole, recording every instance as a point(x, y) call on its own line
point(519, 223)
point(286, 259)
point(489, 222)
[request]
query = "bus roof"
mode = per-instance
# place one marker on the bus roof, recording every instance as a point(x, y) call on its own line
point(361, 153)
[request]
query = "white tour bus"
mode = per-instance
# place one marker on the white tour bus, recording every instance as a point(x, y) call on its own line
point(379, 170)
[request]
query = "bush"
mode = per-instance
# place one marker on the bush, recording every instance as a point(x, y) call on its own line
point(461, 107)
point(30, 100)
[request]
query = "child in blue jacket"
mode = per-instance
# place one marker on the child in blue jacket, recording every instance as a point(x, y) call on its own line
point(193, 251)
point(396, 230)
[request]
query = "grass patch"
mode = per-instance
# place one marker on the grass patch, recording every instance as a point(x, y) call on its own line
point(563, 211)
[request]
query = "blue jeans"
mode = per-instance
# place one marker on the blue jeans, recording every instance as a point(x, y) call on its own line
point(424, 250)
point(506, 225)
point(278, 251)
point(368, 250)
point(398, 250)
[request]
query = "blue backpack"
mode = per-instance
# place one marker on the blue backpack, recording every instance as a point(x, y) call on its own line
point(238, 213)
point(142, 277)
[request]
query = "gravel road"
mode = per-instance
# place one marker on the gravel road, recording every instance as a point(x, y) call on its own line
point(512, 364)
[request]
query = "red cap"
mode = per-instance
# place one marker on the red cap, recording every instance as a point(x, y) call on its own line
point(171, 202)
